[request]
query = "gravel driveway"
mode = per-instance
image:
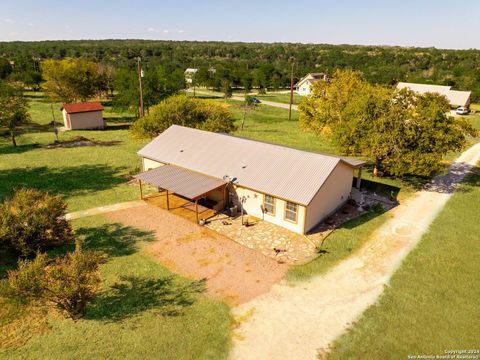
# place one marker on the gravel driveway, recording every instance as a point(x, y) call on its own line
point(295, 321)
point(234, 273)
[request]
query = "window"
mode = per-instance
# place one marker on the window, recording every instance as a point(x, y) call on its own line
point(291, 211)
point(269, 204)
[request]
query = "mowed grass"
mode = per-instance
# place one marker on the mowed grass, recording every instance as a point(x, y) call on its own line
point(280, 97)
point(431, 303)
point(144, 311)
point(87, 176)
point(340, 244)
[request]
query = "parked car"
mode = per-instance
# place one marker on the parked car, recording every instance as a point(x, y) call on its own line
point(462, 110)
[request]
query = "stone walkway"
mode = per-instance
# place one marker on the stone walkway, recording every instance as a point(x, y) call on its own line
point(104, 209)
point(292, 248)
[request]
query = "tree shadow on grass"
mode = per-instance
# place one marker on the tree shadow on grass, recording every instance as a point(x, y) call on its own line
point(375, 211)
point(113, 239)
point(20, 149)
point(133, 295)
point(68, 181)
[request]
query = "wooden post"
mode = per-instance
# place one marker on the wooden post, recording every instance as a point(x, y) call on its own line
point(141, 192)
point(291, 96)
point(196, 209)
point(168, 203)
point(359, 177)
point(224, 197)
point(140, 86)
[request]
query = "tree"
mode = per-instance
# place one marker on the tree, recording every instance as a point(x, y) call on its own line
point(5, 68)
point(13, 109)
point(71, 80)
point(402, 132)
point(158, 84)
point(69, 283)
point(185, 111)
point(32, 221)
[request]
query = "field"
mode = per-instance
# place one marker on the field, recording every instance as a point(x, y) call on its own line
point(86, 176)
point(145, 310)
point(280, 97)
point(430, 304)
point(90, 176)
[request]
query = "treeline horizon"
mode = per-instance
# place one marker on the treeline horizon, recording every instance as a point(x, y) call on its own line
point(263, 65)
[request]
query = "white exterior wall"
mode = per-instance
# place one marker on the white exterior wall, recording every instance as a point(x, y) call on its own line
point(150, 164)
point(304, 88)
point(253, 204)
point(85, 120)
point(334, 193)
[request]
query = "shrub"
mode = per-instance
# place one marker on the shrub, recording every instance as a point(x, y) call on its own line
point(185, 111)
point(67, 282)
point(32, 221)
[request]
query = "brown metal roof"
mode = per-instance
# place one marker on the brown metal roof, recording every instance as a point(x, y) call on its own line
point(181, 181)
point(283, 172)
point(82, 107)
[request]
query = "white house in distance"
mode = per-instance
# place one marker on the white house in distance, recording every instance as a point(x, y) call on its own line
point(85, 115)
point(189, 74)
point(455, 97)
point(288, 187)
point(303, 85)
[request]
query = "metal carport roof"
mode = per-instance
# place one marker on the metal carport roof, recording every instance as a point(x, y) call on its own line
point(187, 183)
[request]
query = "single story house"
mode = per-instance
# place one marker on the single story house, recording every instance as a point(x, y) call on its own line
point(455, 97)
point(303, 85)
point(189, 74)
point(291, 188)
point(85, 115)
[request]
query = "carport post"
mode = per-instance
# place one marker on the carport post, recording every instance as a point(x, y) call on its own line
point(359, 177)
point(141, 192)
point(196, 209)
point(168, 203)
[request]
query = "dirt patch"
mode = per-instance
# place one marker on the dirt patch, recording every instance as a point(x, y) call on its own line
point(233, 272)
point(81, 141)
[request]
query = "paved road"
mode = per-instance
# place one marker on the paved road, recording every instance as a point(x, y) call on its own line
point(296, 321)
point(242, 98)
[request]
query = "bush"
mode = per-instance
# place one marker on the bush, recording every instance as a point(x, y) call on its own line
point(33, 221)
point(67, 282)
point(185, 111)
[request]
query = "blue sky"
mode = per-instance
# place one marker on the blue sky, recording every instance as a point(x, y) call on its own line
point(441, 23)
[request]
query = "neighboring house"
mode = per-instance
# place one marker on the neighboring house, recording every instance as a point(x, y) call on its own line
point(303, 85)
point(189, 74)
point(86, 115)
point(288, 187)
point(456, 98)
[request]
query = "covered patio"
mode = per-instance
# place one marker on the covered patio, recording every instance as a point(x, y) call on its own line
point(184, 192)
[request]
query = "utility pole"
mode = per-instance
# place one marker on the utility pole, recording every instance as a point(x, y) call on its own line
point(140, 75)
point(291, 95)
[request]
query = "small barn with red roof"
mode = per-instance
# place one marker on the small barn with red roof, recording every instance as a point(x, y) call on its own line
point(85, 115)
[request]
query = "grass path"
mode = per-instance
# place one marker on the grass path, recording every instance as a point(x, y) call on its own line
point(294, 321)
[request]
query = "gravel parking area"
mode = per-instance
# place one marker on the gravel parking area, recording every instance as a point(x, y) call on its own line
point(234, 273)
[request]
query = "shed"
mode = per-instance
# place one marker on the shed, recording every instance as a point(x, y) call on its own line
point(85, 115)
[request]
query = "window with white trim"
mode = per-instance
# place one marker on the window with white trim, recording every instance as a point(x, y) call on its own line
point(269, 204)
point(291, 210)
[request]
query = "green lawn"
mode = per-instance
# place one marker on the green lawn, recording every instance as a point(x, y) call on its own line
point(340, 244)
point(85, 176)
point(145, 310)
point(431, 303)
point(280, 97)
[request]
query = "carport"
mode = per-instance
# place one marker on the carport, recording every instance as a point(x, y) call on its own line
point(186, 183)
